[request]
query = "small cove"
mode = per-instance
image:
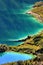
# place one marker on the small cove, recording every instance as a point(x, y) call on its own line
point(8, 57)
point(23, 27)
point(15, 24)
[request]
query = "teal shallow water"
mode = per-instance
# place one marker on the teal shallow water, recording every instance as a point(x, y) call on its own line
point(20, 28)
point(15, 24)
point(8, 57)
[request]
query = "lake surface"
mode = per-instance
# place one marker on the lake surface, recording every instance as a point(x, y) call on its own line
point(15, 24)
point(8, 57)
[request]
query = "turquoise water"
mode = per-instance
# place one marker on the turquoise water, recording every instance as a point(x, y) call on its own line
point(8, 57)
point(15, 24)
point(20, 28)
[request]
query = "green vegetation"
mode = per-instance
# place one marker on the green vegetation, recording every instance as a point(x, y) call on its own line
point(38, 4)
point(38, 9)
point(34, 45)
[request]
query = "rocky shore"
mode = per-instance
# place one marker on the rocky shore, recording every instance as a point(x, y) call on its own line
point(31, 62)
point(37, 16)
point(37, 11)
point(32, 45)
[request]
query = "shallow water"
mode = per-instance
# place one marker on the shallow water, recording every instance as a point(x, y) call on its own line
point(15, 24)
point(20, 28)
point(8, 57)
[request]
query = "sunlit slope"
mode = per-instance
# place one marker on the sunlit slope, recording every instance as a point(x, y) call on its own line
point(38, 9)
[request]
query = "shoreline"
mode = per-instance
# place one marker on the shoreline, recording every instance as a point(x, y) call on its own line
point(33, 46)
point(37, 16)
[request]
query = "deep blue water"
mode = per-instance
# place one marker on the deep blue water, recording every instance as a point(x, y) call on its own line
point(15, 23)
point(8, 57)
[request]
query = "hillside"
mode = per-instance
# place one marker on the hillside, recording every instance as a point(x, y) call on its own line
point(37, 11)
point(34, 45)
